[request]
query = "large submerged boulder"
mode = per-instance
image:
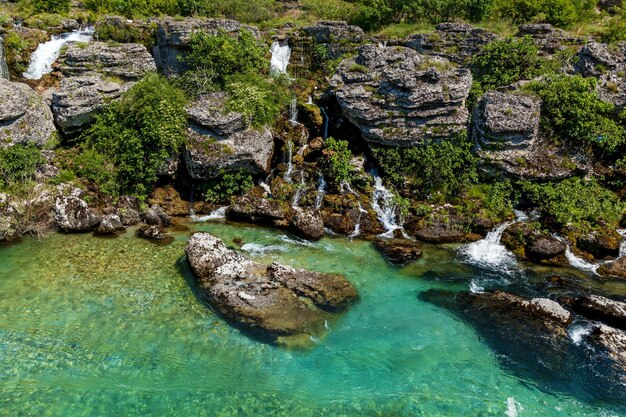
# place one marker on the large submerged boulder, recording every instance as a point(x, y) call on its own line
point(173, 35)
point(221, 141)
point(399, 97)
point(24, 116)
point(94, 75)
point(277, 299)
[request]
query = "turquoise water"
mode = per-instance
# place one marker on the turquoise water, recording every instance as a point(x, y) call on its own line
point(94, 326)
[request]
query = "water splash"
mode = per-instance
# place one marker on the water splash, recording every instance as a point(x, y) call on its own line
point(578, 331)
point(513, 407)
point(287, 176)
point(622, 246)
point(281, 54)
point(266, 187)
point(321, 191)
point(577, 262)
point(4, 68)
point(259, 249)
point(385, 207)
point(46, 53)
point(217, 214)
point(309, 100)
point(489, 253)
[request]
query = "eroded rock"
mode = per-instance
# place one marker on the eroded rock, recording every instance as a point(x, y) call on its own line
point(73, 215)
point(398, 251)
point(596, 307)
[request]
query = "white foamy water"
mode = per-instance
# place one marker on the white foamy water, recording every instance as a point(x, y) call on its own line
point(385, 207)
point(289, 171)
point(577, 332)
point(489, 252)
point(46, 53)
point(217, 214)
point(280, 58)
point(346, 188)
point(293, 112)
point(321, 190)
point(575, 261)
point(266, 187)
point(513, 407)
point(475, 287)
point(295, 202)
point(258, 249)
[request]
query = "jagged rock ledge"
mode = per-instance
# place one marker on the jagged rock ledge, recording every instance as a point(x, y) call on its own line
point(277, 299)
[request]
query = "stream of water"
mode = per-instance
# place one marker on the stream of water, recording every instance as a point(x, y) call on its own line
point(101, 326)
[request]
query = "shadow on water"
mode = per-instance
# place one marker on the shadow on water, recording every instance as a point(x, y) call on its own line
point(548, 360)
point(255, 334)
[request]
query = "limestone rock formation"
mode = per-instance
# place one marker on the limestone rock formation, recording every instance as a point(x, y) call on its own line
point(277, 299)
point(596, 307)
point(110, 225)
point(307, 224)
point(399, 97)
point(24, 116)
point(608, 64)
point(221, 141)
point(72, 214)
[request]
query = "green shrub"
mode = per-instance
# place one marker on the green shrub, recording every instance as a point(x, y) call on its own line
point(258, 99)
point(331, 9)
point(337, 167)
point(50, 6)
point(576, 202)
point(226, 185)
point(123, 33)
point(134, 8)
point(561, 13)
point(572, 109)
point(18, 165)
point(435, 170)
point(138, 133)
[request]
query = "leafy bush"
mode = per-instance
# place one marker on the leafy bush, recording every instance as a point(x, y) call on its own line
point(331, 9)
point(576, 202)
point(561, 13)
point(124, 33)
point(337, 167)
point(259, 100)
point(51, 6)
point(18, 164)
point(572, 109)
point(134, 8)
point(226, 185)
point(138, 133)
point(496, 199)
point(435, 170)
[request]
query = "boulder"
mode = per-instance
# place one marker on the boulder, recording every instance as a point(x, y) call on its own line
point(544, 247)
point(276, 299)
point(596, 307)
point(127, 209)
point(308, 224)
point(151, 232)
point(398, 97)
point(614, 269)
point(398, 251)
point(173, 35)
point(612, 341)
point(221, 141)
point(94, 75)
point(456, 42)
point(110, 225)
point(258, 209)
point(338, 38)
point(72, 214)
point(156, 216)
point(440, 226)
point(608, 64)
point(600, 244)
point(24, 116)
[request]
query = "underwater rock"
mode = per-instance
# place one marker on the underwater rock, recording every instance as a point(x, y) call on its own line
point(398, 251)
point(258, 209)
point(596, 307)
point(277, 299)
point(151, 232)
point(71, 214)
point(24, 116)
point(399, 97)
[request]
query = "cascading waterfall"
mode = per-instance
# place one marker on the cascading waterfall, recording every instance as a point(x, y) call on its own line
point(577, 262)
point(266, 187)
point(346, 188)
point(4, 68)
point(295, 202)
point(287, 176)
point(46, 53)
point(217, 214)
point(321, 190)
point(489, 252)
point(384, 206)
point(280, 58)
point(302, 149)
point(325, 123)
point(293, 112)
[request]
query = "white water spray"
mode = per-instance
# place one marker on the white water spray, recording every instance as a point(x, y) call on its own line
point(385, 207)
point(266, 187)
point(293, 112)
point(280, 58)
point(346, 188)
point(577, 262)
point(321, 190)
point(289, 171)
point(578, 332)
point(622, 246)
point(295, 202)
point(217, 214)
point(489, 252)
point(46, 53)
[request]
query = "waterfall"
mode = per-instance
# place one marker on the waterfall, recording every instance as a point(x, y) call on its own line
point(289, 171)
point(219, 213)
point(280, 58)
point(302, 149)
point(295, 202)
point(46, 53)
point(321, 190)
point(4, 68)
point(325, 123)
point(577, 262)
point(346, 188)
point(489, 252)
point(293, 112)
point(309, 100)
point(266, 187)
point(622, 246)
point(384, 206)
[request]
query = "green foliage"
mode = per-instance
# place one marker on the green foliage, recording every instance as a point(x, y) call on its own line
point(259, 100)
point(18, 165)
point(331, 9)
point(572, 109)
point(226, 185)
point(138, 133)
point(561, 13)
point(15, 47)
point(124, 33)
point(615, 29)
point(576, 202)
point(134, 8)
point(219, 57)
point(358, 68)
point(505, 61)
point(497, 199)
point(337, 167)
point(435, 170)
point(48, 6)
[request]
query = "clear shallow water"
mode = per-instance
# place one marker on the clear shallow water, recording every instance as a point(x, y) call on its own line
point(92, 326)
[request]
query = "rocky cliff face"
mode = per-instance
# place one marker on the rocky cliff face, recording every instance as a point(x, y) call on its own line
point(94, 75)
point(4, 68)
point(399, 97)
point(608, 65)
point(24, 116)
